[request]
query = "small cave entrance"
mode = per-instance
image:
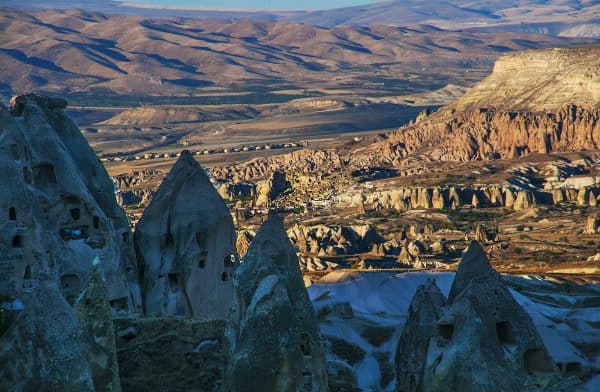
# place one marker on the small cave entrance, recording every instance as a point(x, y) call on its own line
point(69, 284)
point(14, 150)
point(202, 259)
point(412, 383)
point(573, 369)
point(305, 344)
point(445, 331)
point(536, 360)
point(27, 277)
point(12, 213)
point(17, 241)
point(43, 176)
point(96, 222)
point(119, 304)
point(74, 233)
point(505, 333)
point(201, 239)
point(75, 213)
point(229, 261)
point(173, 281)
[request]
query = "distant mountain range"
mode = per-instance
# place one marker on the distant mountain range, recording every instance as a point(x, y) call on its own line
point(555, 17)
point(74, 50)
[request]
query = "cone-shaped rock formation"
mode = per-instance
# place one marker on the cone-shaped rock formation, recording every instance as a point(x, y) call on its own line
point(185, 242)
point(424, 311)
point(273, 319)
point(473, 264)
point(93, 310)
point(481, 341)
point(76, 200)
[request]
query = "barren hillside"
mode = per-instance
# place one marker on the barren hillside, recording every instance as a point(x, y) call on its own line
point(79, 51)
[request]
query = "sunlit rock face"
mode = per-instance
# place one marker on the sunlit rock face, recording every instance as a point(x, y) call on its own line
point(482, 340)
point(185, 242)
point(275, 344)
point(76, 200)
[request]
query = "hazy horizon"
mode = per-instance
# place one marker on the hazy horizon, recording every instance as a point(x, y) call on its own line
point(255, 4)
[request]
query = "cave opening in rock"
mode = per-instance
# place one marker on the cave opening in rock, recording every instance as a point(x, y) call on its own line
point(96, 222)
point(305, 344)
point(573, 368)
point(202, 259)
point(17, 241)
point(446, 330)
point(201, 239)
point(173, 282)
point(119, 304)
point(504, 332)
point(75, 213)
point(14, 149)
point(43, 176)
point(12, 213)
point(536, 360)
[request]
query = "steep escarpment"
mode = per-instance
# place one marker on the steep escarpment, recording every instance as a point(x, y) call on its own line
point(533, 102)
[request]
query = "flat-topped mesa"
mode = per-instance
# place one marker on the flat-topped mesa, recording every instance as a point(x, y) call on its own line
point(185, 242)
point(474, 263)
point(425, 309)
point(482, 339)
point(272, 319)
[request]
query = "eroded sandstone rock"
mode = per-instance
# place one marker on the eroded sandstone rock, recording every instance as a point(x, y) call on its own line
point(273, 319)
point(481, 339)
point(185, 242)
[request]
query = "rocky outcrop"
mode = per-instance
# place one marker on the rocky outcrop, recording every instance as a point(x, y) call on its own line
point(59, 215)
point(93, 311)
point(326, 240)
point(301, 161)
point(479, 134)
point(481, 340)
point(533, 102)
point(275, 344)
point(41, 343)
point(592, 224)
point(77, 197)
point(450, 197)
point(411, 354)
point(170, 354)
point(185, 242)
point(269, 189)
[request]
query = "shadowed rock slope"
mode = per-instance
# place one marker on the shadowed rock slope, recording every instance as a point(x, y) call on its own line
point(273, 319)
point(185, 243)
point(481, 340)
